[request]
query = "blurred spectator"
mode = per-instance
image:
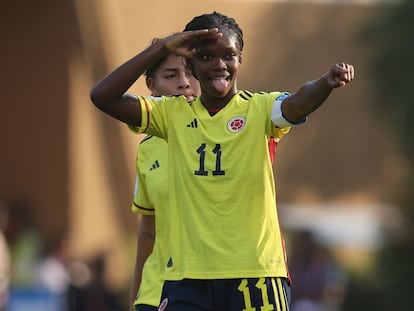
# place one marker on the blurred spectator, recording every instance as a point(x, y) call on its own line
point(28, 287)
point(51, 270)
point(318, 283)
point(4, 258)
point(25, 245)
point(89, 291)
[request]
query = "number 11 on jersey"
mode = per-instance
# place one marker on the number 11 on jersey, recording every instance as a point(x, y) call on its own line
point(202, 157)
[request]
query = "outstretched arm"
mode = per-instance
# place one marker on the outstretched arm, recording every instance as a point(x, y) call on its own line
point(312, 94)
point(109, 94)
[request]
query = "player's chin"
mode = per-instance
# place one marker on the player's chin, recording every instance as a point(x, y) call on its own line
point(190, 97)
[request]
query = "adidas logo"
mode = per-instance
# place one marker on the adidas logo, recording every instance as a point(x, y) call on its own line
point(155, 165)
point(193, 124)
point(170, 263)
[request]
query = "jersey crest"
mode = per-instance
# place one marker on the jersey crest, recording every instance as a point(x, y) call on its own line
point(236, 124)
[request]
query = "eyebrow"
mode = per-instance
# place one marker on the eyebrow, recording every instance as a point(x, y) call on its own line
point(170, 70)
point(208, 49)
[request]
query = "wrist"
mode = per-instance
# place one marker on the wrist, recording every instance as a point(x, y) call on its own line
point(160, 47)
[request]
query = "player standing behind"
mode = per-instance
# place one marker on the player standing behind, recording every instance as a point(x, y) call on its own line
point(169, 76)
point(225, 247)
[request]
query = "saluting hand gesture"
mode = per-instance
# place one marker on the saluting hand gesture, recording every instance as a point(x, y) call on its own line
point(183, 43)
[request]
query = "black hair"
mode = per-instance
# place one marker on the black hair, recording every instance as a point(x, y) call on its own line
point(216, 20)
point(149, 73)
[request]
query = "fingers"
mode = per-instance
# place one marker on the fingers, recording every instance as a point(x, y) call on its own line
point(207, 30)
point(341, 74)
point(183, 43)
point(212, 33)
point(347, 74)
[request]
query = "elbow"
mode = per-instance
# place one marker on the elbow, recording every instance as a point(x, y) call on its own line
point(99, 99)
point(94, 96)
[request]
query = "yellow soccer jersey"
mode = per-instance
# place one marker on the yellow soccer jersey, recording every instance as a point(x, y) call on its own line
point(223, 221)
point(151, 194)
point(151, 184)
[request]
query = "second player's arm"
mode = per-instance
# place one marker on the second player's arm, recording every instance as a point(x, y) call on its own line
point(145, 245)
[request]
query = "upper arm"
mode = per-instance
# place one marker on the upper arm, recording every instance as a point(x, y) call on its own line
point(281, 115)
point(291, 110)
point(147, 225)
point(127, 109)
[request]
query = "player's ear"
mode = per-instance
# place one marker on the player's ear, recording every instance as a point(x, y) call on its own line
point(240, 59)
point(150, 83)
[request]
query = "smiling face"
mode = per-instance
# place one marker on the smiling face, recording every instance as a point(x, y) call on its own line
point(216, 65)
point(173, 77)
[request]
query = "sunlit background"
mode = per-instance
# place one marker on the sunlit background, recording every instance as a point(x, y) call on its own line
point(344, 179)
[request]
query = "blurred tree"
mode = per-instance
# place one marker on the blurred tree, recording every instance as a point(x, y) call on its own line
point(392, 63)
point(391, 42)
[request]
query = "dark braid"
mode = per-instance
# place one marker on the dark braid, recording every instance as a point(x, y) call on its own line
point(216, 20)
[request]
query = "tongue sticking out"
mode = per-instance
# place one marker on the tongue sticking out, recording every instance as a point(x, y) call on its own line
point(220, 85)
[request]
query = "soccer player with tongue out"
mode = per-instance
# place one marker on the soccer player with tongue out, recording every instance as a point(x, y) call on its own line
point(226, 250)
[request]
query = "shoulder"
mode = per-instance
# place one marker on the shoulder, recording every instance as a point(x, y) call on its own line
point(150, 140)
point(150, 148)
point(151, 143)
point(161, 99)
point(260, 96)
point(146, 139)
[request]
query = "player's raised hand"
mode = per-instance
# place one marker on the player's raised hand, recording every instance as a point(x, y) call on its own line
point(340, 75)
point(183, 43)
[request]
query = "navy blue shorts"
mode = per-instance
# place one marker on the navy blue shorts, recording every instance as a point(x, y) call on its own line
point(249, 294)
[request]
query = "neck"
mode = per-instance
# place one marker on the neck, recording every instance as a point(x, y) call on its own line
point(217, 103)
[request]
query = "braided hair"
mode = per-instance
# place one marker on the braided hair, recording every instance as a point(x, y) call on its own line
point(217, 20)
